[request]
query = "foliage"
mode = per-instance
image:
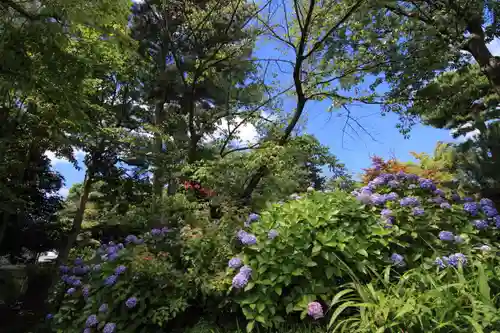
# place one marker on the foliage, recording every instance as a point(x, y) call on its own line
point(451, 301)
point(296, 250)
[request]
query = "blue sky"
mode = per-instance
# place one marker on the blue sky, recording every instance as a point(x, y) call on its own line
point(327, 127)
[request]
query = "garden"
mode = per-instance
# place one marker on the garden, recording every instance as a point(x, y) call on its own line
point(289, 166)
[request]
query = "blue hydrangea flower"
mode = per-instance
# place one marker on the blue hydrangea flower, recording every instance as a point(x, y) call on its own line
point(241, 234)
point(91, 321)
point(110, 280)
point(109, 328)
point(103, 308)
point(455, 197)
point(489, 211)
point(471, 208)
point(87, 330)
point(253, 217)
point(71, 291)
point(398, 260)
point(120, 246)
point(155, 232)
point(111, 250)
point(388, 224)
point(468, 199)
point(439, 192)
point(131, 302)
point(394, 184)
point(247, 270)
point(78, 262)
point(378, 199)
point(272, 234)
point(456, 259)
point(86, 292)
point(367, 189)
point(235, 263)
point(426, 184)
point(440, 263)
point(112, 257)
point(386, 213)
point(459, 240)
point(418, 211)
point(486, 202)
point(446, 236)
point(77, 283)
point(64, 269)
point(49, 316)
point(364, 198)
point(438, 200)
point(409, 201)
point(120, 269)
point(379, 181)
point(130, 239)
point(445, 205)
point(240, 280)
point(249, 239)
point(393, 196)
point(480, 224)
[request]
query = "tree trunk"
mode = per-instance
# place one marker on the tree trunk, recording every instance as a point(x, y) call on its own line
point(78, 219)
point(158, 148)
point(490, 65)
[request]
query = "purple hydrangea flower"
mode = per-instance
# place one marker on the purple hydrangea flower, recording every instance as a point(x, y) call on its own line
point(364, 198)
point(315, 310)
point(78, 262)
point(398, 260)
point(120, 269)
point(109, 328)
point(131, 302)
point(77, 283)
point(86, 292)
point(456, 259)
point(489, 211)
point(418, 211)
point(112, 257)
point(480, 224)
point(240, 280)
point(440, 263)
point(91, 321)
point(49, 316)
point(155, 232)
point(87, 330)
point(401, 175)
point(445, 205)
point(471, 208)
point(110, 280)
point(394, 184)
point(426, 184)
point(455, 197)
point(468, 199)
point(247, 270)
point(378, 199)
point(409, 201)
point(393, 196)
point(249, 239)
point(378, 181)
point(385, 213)
point(71, 291)
point(235, 263)
point(486, 202)
point(253, 217)
point(446, 236)
point(103, 308)
point(272, 234)
point(388, 223)
point(111, 250)
point(241, 234)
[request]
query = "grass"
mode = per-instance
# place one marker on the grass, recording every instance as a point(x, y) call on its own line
point(205, 327)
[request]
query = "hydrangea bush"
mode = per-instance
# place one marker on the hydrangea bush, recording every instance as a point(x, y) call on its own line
point(142, 283)
point(295, 254)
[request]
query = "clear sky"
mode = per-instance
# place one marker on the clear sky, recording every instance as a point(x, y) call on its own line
point(383, 140)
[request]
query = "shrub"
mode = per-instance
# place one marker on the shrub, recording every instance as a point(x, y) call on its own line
point(298, 252)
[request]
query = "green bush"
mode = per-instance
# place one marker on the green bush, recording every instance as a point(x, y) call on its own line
point(326, 239)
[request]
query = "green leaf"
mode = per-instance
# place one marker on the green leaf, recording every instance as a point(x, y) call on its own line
point(363, 252)
point(311, 263)
point(250, 326)
point(249, 286)
point(278, 290)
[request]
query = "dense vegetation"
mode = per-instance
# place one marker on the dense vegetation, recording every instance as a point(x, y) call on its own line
point(184, 222)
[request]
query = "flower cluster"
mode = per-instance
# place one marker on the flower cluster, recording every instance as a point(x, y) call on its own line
point(188, 185)
point(452, 260)
point(131, 302)
point(241, 279)
point(398, 260)
point(246, 238)
point(315, 310)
